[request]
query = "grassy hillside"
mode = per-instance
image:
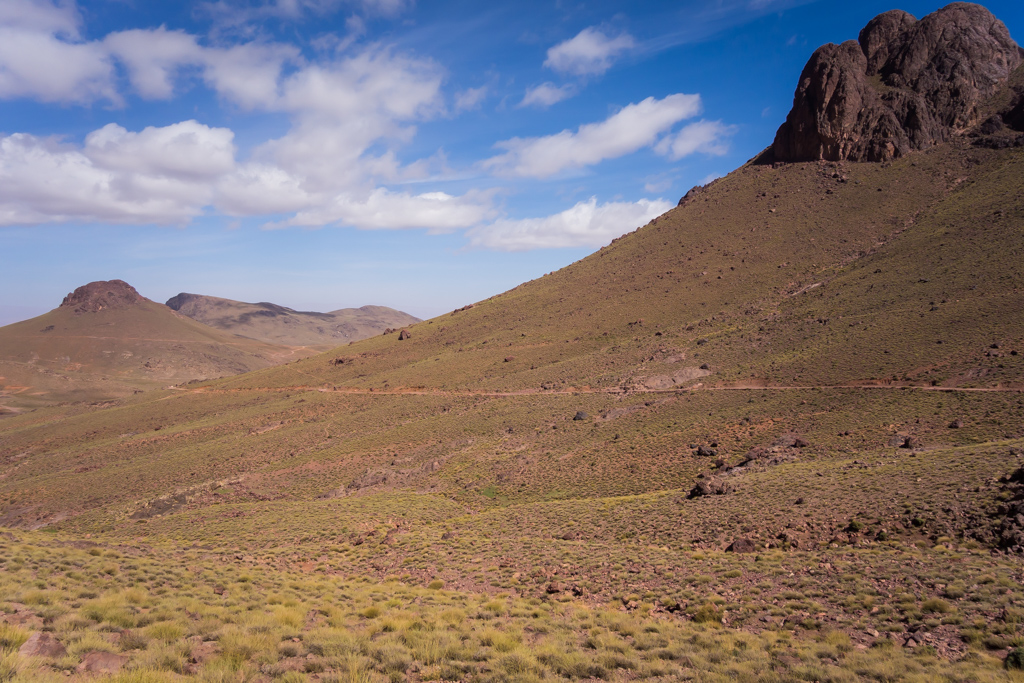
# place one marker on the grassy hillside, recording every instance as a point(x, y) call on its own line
point(814, 366)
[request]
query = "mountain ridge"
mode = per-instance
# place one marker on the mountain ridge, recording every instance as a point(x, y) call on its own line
point(277, 324)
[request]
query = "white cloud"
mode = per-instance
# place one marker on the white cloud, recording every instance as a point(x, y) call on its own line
point(587, 224)
point(184, 150)
point(634, 127)
point(471, 98)
point(547, 94)
point(39, 65)
point(40, 16)
point(42, 181)
point(248, 74)
point(383, 209)
point(153, 56)
point(705, 137)
point(590, 53)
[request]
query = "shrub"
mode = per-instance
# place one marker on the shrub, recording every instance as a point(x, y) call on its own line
point(1015, 659)
point(12, 637)
point(708, 614)
point(935, 605)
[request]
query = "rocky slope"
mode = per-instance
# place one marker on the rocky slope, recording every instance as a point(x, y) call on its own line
point(281, 325)
point(904, 85)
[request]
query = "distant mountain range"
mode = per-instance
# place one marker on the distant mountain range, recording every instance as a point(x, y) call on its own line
point(282, 325)
point(106, 340)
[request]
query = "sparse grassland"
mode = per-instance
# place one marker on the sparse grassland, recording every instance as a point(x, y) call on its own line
point(194, 613)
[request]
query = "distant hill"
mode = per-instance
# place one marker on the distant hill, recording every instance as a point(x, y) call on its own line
point(282, 325)
point(106, 340)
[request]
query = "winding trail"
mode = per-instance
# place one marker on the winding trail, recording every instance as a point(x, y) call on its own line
point(612, 391)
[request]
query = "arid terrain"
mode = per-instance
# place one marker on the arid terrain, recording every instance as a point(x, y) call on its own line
point(282, 325)
point(106, 341)
point(774, 435)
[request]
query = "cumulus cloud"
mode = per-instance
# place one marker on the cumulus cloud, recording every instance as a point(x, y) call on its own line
point(632, 128)
point(589, 53)
point(547, 94)
point(42, 181)
point(185, 150)
point(38, 64)
point(587, 224)
point(706, 137)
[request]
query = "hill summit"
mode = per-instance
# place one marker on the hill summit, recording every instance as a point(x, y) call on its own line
point(903, 85)
point(96, 296)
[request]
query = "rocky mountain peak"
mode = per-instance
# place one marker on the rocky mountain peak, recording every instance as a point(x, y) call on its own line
point(97, 296)
point(179, 301)
point(904, 85)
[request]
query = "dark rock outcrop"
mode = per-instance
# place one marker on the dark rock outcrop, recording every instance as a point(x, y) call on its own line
point(96, 296)
point(741, 545)
point(709, 487)
point(904, 85)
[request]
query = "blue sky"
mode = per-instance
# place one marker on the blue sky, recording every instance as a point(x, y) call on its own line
point(331, 153)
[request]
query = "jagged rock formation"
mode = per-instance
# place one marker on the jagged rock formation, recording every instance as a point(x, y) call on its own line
point(96, 296)
point(904, 85)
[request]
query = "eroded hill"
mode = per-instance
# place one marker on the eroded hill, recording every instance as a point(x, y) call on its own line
point(105, 340)
point(282, 325)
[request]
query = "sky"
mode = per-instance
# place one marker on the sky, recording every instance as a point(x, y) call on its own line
point(323, 154)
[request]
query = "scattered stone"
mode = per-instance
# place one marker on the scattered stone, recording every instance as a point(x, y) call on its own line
point(553, 587)
point(705, 452)
point(447, 536)
point(102, 662)
point(509, 359)
point(41, 644)
point(956, 424)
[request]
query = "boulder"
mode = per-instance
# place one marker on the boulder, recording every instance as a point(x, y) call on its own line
point(102, 662)
point(580, 415)
point(708, 487)
point(904, 85)
point(41, 644)
point(741, 545)
point(403, 335)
